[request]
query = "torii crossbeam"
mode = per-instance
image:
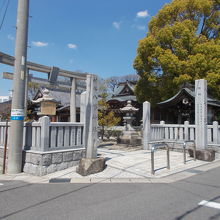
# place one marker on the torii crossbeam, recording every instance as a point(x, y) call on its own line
point(53, 73)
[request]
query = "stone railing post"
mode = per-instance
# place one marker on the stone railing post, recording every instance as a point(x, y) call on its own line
point(162, 130)
point(27, 135)
point(82, 106)
point(215, 132)
point(45, 124)
point(146, 125)
point(186, 130)
point(73, 101)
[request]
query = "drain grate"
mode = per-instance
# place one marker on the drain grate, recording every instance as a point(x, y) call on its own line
point(60, 180)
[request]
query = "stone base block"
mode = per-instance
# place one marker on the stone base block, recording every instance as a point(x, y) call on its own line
point(43, 163)
point(205, 155)
point(90, 166)
point(2, 155)
point(2, 159)
point(133, 140)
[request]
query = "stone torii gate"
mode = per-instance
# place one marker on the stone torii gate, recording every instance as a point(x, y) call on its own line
point(53, 73)
point(89, 105)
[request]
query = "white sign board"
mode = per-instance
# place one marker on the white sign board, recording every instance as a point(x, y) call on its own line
point(17, 114)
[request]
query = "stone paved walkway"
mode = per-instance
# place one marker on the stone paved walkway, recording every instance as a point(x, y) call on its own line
point(130, 165)
point(137, 164)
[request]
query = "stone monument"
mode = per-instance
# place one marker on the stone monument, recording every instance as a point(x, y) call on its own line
point(202, 151)
point(91, 164)
point(201, 113)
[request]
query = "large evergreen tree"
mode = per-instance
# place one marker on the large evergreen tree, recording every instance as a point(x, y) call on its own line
point(182, 45)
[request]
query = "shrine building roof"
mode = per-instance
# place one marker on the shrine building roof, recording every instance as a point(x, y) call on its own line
point(124, 92)
point(186, 93)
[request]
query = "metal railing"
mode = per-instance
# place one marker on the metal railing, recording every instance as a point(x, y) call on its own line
point(153, 149)
point(184, 150)
point(161, 144)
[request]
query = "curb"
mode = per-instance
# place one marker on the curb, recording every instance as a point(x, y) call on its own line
point(170, 178)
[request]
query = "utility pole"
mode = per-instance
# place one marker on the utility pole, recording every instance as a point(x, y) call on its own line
point(17, 110)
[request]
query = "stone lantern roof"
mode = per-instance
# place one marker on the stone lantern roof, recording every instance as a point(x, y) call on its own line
point(46, 97)
point(129, 108)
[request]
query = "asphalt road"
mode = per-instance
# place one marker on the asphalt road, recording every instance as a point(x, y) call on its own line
point(179, 200)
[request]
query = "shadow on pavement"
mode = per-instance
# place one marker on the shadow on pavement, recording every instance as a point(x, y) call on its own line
point(197, 208)
point(41, 202)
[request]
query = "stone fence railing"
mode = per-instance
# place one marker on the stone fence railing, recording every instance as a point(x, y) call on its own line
point(48, 146)
point(2, 133)
point(48, 136)
point(178, 132)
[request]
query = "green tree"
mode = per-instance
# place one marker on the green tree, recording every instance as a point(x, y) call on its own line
point(182, 45)
point(106, 117)
point(5, 112)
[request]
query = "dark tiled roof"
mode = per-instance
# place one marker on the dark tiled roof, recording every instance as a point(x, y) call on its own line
point(63, 97)
point(176, 98)
point(121, 86)
point(117, 95)
point(124, 98)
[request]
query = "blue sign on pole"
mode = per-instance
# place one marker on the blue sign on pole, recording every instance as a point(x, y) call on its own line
point(18, 118)
point(17, 114)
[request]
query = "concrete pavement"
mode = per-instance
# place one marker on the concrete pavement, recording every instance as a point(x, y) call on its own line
point(128, 165)
point(180, 200)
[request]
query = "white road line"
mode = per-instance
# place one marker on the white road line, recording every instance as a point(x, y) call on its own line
point(214, 205)
point(1, 184)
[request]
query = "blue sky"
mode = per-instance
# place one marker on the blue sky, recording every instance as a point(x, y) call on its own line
point(99, 36)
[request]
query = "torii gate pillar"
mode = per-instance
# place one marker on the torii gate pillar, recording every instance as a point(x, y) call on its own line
point(73, 101)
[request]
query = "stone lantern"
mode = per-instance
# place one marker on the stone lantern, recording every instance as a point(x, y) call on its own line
point(47, 104)
point(129, 111)
point(129, 135)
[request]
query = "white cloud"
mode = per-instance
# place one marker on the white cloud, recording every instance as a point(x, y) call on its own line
point(72, 46)
point(141, 27)
point(116, 25)
point(143, 14)
point(10, 37)
point(39, 44)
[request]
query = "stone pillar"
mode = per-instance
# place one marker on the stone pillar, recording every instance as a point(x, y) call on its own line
point(82, 106)
point(215, 132)
point(186, 130)
point(73, 101)
point(146, 125)
point(201, 113)
point(91, 119)
point(162, 130)
point(91, 164)
point(44, 142)
point(26, 92)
